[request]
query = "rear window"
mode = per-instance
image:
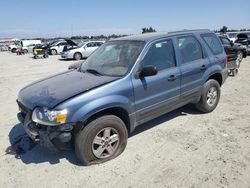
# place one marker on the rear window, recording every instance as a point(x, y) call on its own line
point(213, 43)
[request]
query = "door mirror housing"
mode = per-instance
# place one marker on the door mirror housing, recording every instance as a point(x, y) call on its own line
point(231, 43)
point(148, 71)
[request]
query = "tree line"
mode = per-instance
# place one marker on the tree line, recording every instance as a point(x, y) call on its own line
point(150, 29)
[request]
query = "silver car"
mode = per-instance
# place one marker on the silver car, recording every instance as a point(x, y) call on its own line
point(82, 51)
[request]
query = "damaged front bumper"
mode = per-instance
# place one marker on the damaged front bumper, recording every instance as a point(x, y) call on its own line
point(53, 138)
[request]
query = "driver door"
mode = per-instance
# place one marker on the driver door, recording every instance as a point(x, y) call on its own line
point(158, 94)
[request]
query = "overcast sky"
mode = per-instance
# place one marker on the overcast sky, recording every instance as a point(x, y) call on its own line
point(54, 18)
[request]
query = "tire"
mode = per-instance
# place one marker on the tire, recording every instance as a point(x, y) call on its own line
point(77, 56)
point(13, 50)
point(87, 151)
point(209, 99)
point(25, 51)
point(53, 52)
point(239, 56)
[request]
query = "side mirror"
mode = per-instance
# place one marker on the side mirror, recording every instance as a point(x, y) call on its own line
point(231, 42)
point(148, 71)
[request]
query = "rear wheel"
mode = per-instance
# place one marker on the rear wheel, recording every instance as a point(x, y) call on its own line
point(101, 140)
point(25, 51)
point(77, 56)
point(210, 96)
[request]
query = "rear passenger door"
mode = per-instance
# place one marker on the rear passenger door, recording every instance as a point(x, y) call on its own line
point(155, 95)
point(213, 43)
point(193, 64)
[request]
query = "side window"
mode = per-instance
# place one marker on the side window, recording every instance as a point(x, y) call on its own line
point(213, 43)
point(91, 44)
point(190, 49)
point(161, 55)
point(99, 43)
point(62, 44)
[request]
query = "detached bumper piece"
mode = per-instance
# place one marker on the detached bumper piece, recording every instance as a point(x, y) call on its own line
point(53, 138)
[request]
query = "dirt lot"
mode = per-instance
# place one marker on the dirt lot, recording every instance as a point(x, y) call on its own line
point(181, 149)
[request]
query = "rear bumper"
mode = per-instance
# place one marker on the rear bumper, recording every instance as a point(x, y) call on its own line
point(52, 138)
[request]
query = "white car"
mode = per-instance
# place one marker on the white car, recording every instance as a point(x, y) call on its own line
point(57, 47)
point(82, 51)
point(28, 49)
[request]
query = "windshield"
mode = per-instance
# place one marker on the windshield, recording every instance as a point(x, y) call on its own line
point(113, 58)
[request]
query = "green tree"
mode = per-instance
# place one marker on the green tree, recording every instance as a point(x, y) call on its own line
point(224, 29)
point(148, 30)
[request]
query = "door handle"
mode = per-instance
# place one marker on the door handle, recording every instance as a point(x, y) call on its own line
point(203, 67)
point(172, 78)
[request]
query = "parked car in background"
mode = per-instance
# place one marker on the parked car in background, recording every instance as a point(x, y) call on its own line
point(232, 36)
point(234, 52)
point(57, 46)
point(124, 83)
point(23, 43)
point(14, 46)
point(235, 55)
point(82, 51)
point(45, 46)
point(29, 48)
point(29, 42)
point(244, 40)
point(4, 47)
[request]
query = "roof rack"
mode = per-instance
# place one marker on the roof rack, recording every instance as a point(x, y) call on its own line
point(187, 30)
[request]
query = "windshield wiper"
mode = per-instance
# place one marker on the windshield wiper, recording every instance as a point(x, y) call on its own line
point(93, 71)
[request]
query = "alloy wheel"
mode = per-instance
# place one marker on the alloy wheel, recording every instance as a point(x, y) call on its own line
point(105, 143)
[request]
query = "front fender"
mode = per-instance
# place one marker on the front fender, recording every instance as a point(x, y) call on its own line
point(100, 104)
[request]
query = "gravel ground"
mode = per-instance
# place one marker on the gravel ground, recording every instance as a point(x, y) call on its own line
point(181, 149)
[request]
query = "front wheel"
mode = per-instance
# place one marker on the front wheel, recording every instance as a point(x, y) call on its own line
point(101, 140)
point(53, 52)
point(210, 96)
point(77, 56)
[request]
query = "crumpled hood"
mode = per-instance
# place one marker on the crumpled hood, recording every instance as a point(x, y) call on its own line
point(53, 90)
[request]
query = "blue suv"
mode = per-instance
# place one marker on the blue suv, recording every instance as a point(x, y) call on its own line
point(126, 82)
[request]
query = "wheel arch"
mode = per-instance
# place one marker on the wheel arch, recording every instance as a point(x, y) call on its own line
point(117, 111)
point(77, 52)
point(216, 76)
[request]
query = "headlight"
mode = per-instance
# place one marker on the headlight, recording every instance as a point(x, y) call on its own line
point(48, 117)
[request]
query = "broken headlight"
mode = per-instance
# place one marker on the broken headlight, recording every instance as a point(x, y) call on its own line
point(48, 117)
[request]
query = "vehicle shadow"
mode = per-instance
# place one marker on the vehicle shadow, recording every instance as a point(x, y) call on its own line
point(61, 59)
point(183, 111)
point(39, 154)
